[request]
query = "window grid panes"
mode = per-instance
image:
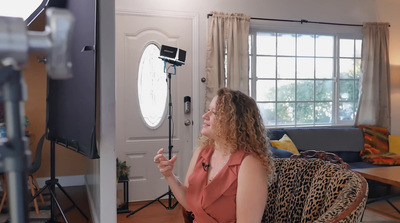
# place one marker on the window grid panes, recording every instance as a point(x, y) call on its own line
point(304, 79)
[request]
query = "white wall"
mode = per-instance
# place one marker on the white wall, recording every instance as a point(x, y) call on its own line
point(101, 179)
point(338, 11)
point(388, 11)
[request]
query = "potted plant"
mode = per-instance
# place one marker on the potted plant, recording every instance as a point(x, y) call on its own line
point(122, 169)
point(122, 193)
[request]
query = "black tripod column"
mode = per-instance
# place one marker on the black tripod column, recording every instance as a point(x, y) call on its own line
point(52, 184)
point(15, 151)
point(170, 146)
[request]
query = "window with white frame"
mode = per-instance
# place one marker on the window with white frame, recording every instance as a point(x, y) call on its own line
point(302, 79)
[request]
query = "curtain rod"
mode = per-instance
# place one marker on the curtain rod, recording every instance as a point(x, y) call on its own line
point(301, 21)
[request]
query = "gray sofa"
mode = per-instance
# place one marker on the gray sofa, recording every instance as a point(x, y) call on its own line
point(346, 142)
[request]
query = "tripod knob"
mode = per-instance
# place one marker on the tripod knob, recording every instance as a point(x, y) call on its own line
point(55, 41)
point(61, 23)
point(13, 42)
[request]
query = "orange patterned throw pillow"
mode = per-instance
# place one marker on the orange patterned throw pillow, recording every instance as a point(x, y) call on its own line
point(376, 137)
point(376, 146)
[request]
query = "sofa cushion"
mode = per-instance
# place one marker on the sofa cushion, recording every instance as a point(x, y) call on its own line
point(330, 139)
point(375, 137)
point(375, 157)
point(377, 146)
point(280, 153)
point(394, 144)
point(276, 134)
point(349, 157)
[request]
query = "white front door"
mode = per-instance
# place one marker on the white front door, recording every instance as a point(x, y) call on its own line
point(136, 141)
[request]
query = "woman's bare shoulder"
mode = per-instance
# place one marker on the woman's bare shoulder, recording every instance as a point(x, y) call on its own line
point(252, 163)
point(197, 152)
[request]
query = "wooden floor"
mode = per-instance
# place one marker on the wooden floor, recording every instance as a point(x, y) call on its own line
point(72, 214)
point(152, 213)
point(79, 196)
point(379, 212)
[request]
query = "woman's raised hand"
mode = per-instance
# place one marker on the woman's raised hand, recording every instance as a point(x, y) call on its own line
point(164, 165)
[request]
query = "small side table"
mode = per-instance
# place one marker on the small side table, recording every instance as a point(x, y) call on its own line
point(124, 207)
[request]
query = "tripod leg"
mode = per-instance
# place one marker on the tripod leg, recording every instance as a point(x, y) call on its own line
point(157, 199)
point(53, 196)
point(39, 192)
point(70, 199)
point(36, 185)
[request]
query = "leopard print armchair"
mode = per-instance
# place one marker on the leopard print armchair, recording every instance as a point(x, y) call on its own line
point(315, 187)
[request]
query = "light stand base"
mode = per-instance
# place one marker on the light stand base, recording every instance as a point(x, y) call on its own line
point(169, 207)
point(50, 185)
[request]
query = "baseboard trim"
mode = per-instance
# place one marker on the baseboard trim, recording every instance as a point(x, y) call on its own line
point(93, 211)
point(65, 181)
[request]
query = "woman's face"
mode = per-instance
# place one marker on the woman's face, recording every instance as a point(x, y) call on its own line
point(209, 120)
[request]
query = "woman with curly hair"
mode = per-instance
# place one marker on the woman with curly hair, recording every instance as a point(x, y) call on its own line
point(227, 179)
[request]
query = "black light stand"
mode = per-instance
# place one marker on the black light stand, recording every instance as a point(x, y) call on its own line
point(169, 193)
point(14, 153)
point(15, 45)
point(50, 184)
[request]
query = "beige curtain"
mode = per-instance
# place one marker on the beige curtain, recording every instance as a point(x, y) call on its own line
point(374, 104)
point(227, 32)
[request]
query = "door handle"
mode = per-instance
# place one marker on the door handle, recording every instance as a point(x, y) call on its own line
point(188, 122)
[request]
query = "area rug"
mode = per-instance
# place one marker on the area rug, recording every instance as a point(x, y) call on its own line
point(385, 209)
point(43, 216)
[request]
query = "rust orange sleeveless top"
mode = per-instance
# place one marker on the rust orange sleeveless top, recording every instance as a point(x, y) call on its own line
point(216, 201)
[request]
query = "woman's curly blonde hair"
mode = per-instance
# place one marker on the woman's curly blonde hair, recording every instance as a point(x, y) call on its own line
point(240, 125)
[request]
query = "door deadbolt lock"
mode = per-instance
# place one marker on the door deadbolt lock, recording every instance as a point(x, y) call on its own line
point(186, 102)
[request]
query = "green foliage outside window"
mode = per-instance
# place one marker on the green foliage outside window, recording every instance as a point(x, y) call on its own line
point(309, 85)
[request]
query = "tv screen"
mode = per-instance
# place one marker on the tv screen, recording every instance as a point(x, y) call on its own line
point(71, 103)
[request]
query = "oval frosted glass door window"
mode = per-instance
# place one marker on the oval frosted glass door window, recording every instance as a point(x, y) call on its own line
point(152, 87)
